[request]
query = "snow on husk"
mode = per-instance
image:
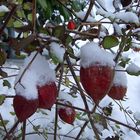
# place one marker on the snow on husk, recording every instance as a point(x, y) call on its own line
point(120, 78)
point(92, 54)
point(39, 73)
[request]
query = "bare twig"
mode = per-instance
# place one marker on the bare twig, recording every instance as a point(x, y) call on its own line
point(5, 129)
point(8, 18)
point(24, 130)
point(34, 16)
point(11, 130)
point(56, 109)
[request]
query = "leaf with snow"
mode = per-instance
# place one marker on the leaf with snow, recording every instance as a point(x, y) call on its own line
point(57, 51)
point(133, 69)
point(110, 41)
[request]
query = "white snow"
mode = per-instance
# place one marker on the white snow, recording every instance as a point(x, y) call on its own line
point(120, 78)
point(57, 50)
point(102, 3)
point(137, 116)
point(82, 14)
point(37, 74)
point(3, 8)
point(133, 68)
point(92, 54)
point(128, 17)
point(117, 28)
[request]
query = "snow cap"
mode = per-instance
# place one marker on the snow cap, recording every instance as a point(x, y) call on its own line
point(39, 73)
point(92, 54)
point(120, 78)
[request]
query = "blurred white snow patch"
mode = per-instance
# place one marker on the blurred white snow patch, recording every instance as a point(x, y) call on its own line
point(120, 78)
point(38, 73)
point(92, 54)
point(102, 3)
point(117, 29)
point(65, 96)
point(57, 50)
point(133, 68)
point(137, 116)
point(103, 13)
point(3, 8)
point(82, 14)
point(128, 17)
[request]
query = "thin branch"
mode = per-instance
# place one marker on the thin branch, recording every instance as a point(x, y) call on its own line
point(56, 109)
point(8, 76)
point(11, 130)
point(83, 96)
point(69, 10)
point(8, 18)
point(34, 16)
point(5, 129)
point(24, 130)
point(88, 13)
point(19, 80)
point(82, 129)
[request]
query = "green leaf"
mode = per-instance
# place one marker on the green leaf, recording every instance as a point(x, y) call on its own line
point(54, 58)
point(100, 120)
point(6, 83)
point(59, 31)
point(36, 128)
point(18, 24)
point(3, 73)
point(64, 13)
point(68, 40)
point(67, 81)
point(27, 5)
point(2, 57)
point(12, 113)
point(110, 41)
point(76, 6)
point(43, 4)
point(2, 99)
point(5, 122)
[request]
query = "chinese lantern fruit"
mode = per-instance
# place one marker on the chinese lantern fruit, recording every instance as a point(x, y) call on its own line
point(24, 108)
point(96, 71)
point(117, 92)
point(67, 114)
point(71, 25)
point(47, 95)
point(96, 81)
point(119, 87)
